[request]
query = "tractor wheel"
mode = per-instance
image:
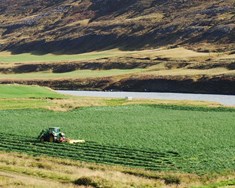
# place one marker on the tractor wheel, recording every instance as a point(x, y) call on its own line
point(42, 139)
point(51, 138)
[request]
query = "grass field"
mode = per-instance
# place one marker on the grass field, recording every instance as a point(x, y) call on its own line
point(160, 138)
point(168, 138)
point(19, 91)
point(27, 97)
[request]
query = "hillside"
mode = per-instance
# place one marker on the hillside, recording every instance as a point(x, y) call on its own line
point(169, 46)
point(128, 45)
point(71, 26)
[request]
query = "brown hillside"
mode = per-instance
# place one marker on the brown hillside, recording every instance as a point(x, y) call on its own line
point(71, 26)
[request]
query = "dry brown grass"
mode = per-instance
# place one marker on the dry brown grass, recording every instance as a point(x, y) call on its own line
point(24, 170)
point(5, 53)
point(225, 16)
point(175, 53)
point(11, 180)
point(232, 56)
point(76, 102)
point(123, 19)
point(59, 170)
point(189, 72)
point(173, 102)
point(71, 103)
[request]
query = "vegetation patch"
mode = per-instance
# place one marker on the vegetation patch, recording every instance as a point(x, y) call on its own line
point(95, 182)
point(228, 183)
point(26, 104)
point(29, 57)
point(22, 91)
point(86, 181)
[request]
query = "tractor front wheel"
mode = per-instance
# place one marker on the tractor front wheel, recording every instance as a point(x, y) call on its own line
point(42, 139)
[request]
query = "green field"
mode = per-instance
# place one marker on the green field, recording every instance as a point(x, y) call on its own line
point(19, 91)
point(153, 137)
point(27, 97)
point(171, 139)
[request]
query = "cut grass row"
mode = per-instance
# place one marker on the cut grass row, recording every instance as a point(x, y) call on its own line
point(89, 153)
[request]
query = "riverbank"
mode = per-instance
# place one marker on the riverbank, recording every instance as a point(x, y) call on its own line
point(175, 84)
point(177, 70)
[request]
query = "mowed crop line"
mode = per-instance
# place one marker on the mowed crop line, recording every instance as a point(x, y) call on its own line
point(91, 144)
point(86, 156)
point(88, 152)
point(110, 153)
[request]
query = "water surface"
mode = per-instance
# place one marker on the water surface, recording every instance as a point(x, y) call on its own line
point(228, 100)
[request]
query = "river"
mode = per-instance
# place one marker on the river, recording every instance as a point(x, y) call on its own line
point(228, 100)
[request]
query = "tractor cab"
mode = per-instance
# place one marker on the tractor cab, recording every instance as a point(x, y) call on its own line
point(54, 130)
point(52, 134)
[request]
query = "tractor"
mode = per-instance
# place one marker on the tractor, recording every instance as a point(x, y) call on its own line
point(52, 134)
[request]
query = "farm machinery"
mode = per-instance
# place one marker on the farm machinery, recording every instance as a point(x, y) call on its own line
point(54, 134)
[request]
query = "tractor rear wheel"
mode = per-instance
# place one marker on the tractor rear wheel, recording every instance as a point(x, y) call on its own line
point(51, 138)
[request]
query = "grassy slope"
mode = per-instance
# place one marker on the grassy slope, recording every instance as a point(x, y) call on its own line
point(19, 91)
point(69, 75)
point(177, 53)
point(27, 97)
point(173, 58)
point(28, 57)
point(137, 24)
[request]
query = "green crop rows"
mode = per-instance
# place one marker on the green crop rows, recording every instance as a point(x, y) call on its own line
point(91, 152)
point(197, 140)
